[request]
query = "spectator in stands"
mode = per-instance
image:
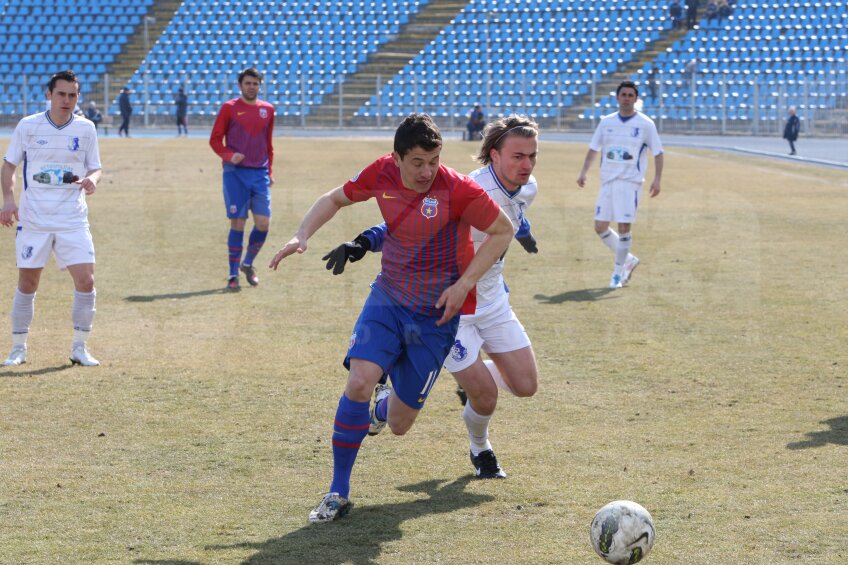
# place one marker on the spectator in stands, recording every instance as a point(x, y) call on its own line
point(689, 72)
point(93, 114)
point(181, 102)
point(711, 12)
point(691, 13)
point(126, 111)
point(652, 82)
point(476, 123)
point(792, 129)
point(675, 14)
point(724, 10)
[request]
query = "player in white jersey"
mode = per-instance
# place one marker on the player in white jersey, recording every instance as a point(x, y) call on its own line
point(61, 165)
point(623, 139)
point(508, 151)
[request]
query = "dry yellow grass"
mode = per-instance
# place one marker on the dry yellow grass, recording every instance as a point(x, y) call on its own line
point(712, 390)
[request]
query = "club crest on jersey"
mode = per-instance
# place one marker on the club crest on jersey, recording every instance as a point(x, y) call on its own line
point(635, 132)
point(263, 113)
point(458, 351)
point(429, 207)
point(26, 252)
point(73, 143)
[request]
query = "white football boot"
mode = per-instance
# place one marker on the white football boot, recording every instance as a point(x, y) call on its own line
point(81, 356)
point(17, 356)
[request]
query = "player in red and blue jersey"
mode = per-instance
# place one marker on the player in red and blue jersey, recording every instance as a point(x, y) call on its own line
point(247, 123)
point(409, 321)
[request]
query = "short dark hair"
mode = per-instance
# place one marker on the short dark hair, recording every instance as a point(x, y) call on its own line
point(627, 84)
point(250, 72)
point(67, 75)
point(498, 131)
point(417, 130)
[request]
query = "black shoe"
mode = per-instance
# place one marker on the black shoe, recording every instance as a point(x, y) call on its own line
point(250, 274)
point(460, 392)
point(233, 284)
point(486, 466)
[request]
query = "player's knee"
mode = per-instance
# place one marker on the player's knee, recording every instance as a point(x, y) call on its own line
point(525, 388)
point(484, 404)
point(399, 428)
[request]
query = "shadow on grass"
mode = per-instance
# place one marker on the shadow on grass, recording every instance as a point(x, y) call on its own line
point(176, 295)
point(359, 537)
point(585, 295)
point(837, 435)
point(21, 372)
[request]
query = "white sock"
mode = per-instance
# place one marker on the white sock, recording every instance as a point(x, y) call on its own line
point(82, 315)
point(478, 429)
point(610, 239)
point(23, 310)
point(622, 250)
point(496, 375)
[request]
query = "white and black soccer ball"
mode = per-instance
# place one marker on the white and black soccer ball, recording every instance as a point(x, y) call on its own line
point(622, 532)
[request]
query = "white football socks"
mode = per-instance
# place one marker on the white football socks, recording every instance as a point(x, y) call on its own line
point(82, 315)
point(622, 250)
point(478, 429)
point(23, 310)
point(610, 239)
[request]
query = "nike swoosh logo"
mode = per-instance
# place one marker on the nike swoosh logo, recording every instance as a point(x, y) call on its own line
point(241, 113)
point(387, 196)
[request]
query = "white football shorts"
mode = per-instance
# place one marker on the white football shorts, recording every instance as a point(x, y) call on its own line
point(494, 330)
point(618, 201)
point(71, 247)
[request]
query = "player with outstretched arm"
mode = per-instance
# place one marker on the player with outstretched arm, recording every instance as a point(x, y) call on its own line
point(409, 321)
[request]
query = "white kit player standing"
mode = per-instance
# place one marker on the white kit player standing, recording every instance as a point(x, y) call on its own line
point(623, 139)
point(61, 165)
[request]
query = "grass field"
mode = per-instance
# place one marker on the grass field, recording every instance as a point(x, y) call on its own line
point(712, 389)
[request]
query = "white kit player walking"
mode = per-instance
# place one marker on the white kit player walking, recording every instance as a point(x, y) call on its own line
point(61, 165)
point(623, 139)
point(508, 151)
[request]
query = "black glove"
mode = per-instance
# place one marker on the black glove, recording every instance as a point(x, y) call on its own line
point(348, 251)
point(528, 242)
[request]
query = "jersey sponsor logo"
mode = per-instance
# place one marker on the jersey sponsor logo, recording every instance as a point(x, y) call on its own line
point(388, 196)
point(458, 351)
point(26, 252)
point(73, 143)
point(429, 207)
point(263, 113)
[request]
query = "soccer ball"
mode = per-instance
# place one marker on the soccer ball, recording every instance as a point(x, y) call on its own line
point(622, 532)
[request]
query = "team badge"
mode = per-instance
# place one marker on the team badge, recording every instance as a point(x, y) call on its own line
point(263, 113)
point(635, 132)
point(26, 253)
point(73, 143)
point(429, 207)
point(233, 208)
point(352, 340)
point(458, 351)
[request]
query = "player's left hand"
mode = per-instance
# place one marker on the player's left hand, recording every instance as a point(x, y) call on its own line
point(528, 242)
point(295, 245)
point(451, 300)
point(655, 188)
point(86, 184)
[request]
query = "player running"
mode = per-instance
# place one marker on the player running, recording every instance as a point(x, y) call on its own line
point(409, 321)
point(61, 161)
point(247, 123)
point(508, 153)
point(622, 139)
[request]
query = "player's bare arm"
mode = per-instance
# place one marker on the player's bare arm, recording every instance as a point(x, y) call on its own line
point(319, 214)
point(658, 169)
point(590, 158)
point(89, 182)
point(9, 214)
point(499, 237)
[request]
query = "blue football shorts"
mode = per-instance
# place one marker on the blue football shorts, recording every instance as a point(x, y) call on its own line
point(246, 190)
point(409, 347)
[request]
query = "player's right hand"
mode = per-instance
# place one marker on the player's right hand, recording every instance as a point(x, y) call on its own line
point(581, 180)
point(9, 215)
point(348, 251)
point(293, 246)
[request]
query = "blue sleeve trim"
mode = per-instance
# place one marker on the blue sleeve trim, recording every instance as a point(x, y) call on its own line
point(376, 235)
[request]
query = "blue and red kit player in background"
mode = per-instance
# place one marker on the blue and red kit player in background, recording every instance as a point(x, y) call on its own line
point(242, 136)
point(409, 321)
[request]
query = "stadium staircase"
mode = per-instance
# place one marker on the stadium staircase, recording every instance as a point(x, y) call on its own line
point(394, 55)
point(608, 84)
point(133, 53)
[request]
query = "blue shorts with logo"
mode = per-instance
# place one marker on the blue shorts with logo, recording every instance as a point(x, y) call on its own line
point(246, 189)
point(409, 347)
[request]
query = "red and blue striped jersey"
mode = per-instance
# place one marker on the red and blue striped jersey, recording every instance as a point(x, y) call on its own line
point(428, 240)
point(248, 129)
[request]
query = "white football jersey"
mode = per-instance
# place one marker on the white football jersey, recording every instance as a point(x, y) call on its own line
point(51, 156)
point(623, 144)
point(491, 285)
